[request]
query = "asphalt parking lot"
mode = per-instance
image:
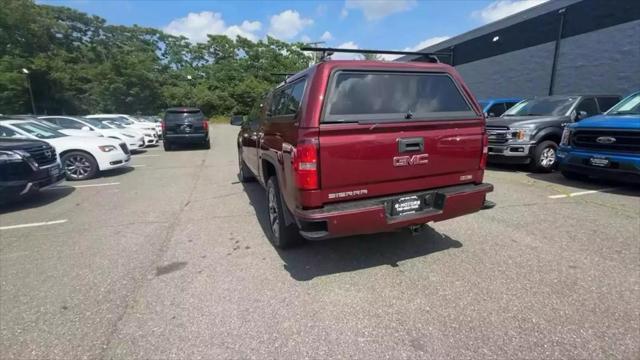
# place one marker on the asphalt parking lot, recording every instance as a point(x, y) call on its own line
point(169, 260)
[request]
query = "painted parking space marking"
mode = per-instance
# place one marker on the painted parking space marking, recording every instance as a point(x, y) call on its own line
point(580, 193)
point(44, 223)
point(82, 186)
point(140, 156)
point(137, 166)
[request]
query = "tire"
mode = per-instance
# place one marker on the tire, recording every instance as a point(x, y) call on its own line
point(544, 157)
point(570, 175)
point(79, 165)
point(207, 145)
point(244, 173)
point(167, 146)
point(281, 235)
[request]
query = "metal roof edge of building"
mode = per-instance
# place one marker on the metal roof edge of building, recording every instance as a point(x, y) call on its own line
point(532, 12)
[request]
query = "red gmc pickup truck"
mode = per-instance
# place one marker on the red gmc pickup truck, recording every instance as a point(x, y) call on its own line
point(360, 147)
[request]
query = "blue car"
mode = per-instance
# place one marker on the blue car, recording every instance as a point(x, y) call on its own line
point(604, 146)
point(496, 107)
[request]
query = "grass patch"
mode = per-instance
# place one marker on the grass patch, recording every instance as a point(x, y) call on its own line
point(219, 119)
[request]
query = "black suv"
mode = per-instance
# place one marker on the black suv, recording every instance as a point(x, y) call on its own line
point(185, 126)
point(26, 166)
point(530, 131)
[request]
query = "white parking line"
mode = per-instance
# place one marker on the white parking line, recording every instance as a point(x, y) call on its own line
point(137, 166)
point(82, 186)
point(580, 193)
point(139, 156)
point(33, 224)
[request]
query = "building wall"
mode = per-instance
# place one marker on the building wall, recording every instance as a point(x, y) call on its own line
point(601, 61)
point(521, 73)
point(604, 61)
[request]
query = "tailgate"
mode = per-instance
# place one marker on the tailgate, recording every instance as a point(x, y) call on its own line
point(184, 122)
point(394, 130)
point(353, 155)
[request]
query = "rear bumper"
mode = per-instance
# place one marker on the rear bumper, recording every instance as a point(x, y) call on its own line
point(623, 167)
point(186, 138)
point(373, 215)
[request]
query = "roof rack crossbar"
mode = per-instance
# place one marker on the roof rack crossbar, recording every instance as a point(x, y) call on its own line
point(369, 51)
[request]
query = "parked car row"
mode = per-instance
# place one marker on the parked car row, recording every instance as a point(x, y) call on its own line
point(36, 152)
point(530, 131)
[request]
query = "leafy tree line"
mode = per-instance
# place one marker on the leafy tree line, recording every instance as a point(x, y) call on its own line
point(79, 64)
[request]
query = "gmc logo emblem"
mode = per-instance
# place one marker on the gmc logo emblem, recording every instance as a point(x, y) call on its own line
point(420, 159)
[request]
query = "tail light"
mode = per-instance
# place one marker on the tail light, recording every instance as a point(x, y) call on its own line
point(162, 125)
point(205, 125)
point(305, 164)
point(485, 151)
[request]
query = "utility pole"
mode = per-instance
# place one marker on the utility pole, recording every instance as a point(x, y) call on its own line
point(33, 104)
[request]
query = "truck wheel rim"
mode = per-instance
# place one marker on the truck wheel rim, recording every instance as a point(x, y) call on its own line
point(273, 213)
point(548, 157)
point(77, 166)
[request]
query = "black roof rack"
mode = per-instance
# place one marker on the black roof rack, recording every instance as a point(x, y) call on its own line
point(285, 74)
point(329, 51)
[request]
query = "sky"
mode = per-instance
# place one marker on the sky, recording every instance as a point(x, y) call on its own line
point(408, 25)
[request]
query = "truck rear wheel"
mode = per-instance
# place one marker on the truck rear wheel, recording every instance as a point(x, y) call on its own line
point(544, 157)
point(281, 235)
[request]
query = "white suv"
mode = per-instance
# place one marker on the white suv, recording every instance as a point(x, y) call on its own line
point(133, 139)
point(81, 157)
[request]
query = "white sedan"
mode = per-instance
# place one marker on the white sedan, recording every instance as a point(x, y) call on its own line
point(132, 138)
point(127, 120)
point(82, 157)
point(118, 122)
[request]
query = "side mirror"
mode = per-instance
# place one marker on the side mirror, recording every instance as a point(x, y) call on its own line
point(85, 128)
point(573, 115)
point(491, 115)
point(236, 120)
point(582, 114)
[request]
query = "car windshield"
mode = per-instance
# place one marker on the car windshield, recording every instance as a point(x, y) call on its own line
point(548, 106)
point(124, 120)
point(38, 131)
point(630, 105)
point(114, 124)
point(49, 125)
point(95, 123)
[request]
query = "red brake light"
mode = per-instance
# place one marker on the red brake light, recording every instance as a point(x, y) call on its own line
point(305, 164)
point(485, 151)
point(162, 125)
point(205, 125)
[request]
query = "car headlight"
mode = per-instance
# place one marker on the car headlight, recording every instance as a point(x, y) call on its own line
point(520, 134)
point(566, 135)
point(107, 148)
point(10, 156)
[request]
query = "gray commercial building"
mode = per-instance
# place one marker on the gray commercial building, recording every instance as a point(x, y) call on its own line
point(558, 47)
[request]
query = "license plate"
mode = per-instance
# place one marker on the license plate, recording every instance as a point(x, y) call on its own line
point(54, 171)
point(406, 205)
point(601, 162)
